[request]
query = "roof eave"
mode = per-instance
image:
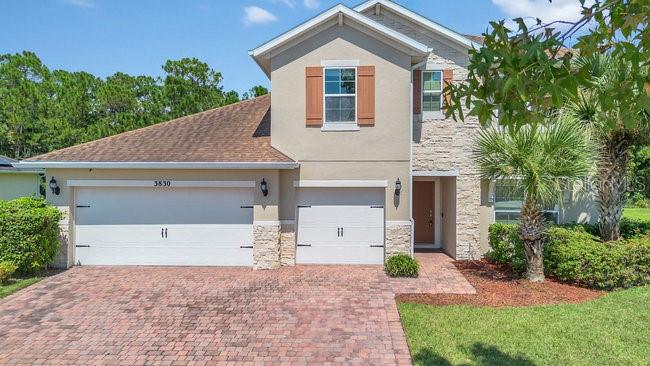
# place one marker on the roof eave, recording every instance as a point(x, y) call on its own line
point(156, 165)
point(448, 33)
point(264, 50)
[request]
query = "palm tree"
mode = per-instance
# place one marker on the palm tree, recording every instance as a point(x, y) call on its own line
point(612, 106)
point(540, 158)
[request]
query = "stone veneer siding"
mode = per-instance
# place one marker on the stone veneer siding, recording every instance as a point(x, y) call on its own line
point(441, 144)
point(398, 239)
point(266, 246)
point(288, 246)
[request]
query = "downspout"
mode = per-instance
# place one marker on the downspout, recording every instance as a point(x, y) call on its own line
point(411, 158)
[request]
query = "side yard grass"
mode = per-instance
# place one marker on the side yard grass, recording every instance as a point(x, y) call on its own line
point(16, 284)
point(612, 330)
point(642, 214)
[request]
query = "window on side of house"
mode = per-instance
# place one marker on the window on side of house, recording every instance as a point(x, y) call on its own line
point(508, 200)
point(432, 91)
point(340, 95)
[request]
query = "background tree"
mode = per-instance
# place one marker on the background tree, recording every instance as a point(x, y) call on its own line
point(540, 158)
point(191, 86)
point(617, 126)
point(43, 110)
point(256, 91)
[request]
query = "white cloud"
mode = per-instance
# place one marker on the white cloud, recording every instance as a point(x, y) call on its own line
point(565, 10)
point(289, 3)
point(311, 4)
point(257, 15)
point(82, 3)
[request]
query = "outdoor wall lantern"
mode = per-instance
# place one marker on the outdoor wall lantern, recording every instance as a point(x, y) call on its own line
point(398, 187)
point(264, 187)
point(54, 186)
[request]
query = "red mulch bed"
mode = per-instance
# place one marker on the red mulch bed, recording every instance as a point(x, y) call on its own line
point(497, 286)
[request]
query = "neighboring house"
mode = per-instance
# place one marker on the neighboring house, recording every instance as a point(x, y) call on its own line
point(351, 160)
point(15, 183)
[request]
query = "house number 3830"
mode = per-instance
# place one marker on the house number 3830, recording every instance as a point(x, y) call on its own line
point(162, 183)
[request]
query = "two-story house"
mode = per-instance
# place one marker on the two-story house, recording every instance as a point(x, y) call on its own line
point(349, 161)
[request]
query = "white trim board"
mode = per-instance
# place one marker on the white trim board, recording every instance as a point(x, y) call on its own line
point(340, 183)
point(419, 19)
point(435, 173)
point(339, 63)
point(151, 183)
point(336, 14)
point(155, 165)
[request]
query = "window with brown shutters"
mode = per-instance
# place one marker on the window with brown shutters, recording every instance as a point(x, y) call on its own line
point(417, 91)
point(448, 78)
point(314, 96)
point(366, 95)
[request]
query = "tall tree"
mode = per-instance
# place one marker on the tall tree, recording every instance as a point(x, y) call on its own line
point(618, 124)
point(540, 158)
point(23, 103)
point(191, 86)
point(256, 91)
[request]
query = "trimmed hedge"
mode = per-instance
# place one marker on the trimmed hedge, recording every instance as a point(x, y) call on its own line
point(402, 265)
point(573, 254)
point(29, 233)
point(7, 269)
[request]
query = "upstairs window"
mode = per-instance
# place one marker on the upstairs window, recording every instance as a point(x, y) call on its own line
point(340, 95)
point(432, 91)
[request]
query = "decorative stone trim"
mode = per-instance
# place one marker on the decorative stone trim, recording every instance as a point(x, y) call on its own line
point(288, 248)
point(398, 239)
point(63, 259)
point(266, 246)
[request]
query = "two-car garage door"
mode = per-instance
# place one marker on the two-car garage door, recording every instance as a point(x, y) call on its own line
point(163, 226)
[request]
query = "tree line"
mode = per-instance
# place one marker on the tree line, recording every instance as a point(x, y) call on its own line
point(43, 110)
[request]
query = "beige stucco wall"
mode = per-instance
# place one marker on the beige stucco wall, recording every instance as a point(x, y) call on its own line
point(380, 152)
point(266, 208)
point(387, 140)
point(14, 185)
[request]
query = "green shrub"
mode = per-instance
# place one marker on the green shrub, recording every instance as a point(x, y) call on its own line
point(7, 269)
point(572, 253)
point(585, 260)
point(506, 247)
point(631, 228)
point(29, 233)
point(402, 265)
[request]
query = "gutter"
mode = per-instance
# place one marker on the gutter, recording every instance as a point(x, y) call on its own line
point(154, 165)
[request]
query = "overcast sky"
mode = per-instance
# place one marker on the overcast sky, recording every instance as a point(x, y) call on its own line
point(137, 36)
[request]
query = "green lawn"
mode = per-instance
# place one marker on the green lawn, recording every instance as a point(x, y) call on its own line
point(612, 330)
point(637, 213)
point(15, 285)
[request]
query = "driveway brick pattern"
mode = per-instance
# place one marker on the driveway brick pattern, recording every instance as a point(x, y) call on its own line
point(303, 315)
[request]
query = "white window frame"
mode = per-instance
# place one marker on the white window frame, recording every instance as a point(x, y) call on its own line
point(341, 125)
point(438, 113)
point(556, 211)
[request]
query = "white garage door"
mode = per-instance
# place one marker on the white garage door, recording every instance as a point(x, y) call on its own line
point(340, 226)
point(170, 226)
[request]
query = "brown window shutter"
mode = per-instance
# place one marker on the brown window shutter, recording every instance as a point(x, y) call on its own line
point(417, 91)
point(366, 95)
point(448, 78)
point(314, 96)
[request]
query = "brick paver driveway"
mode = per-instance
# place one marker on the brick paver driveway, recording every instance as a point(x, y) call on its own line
point(197, 316)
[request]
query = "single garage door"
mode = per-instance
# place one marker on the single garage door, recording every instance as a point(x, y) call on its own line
point(340, 226)
point(166, 226)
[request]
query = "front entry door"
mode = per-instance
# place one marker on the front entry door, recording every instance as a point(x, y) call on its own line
point(423, 212)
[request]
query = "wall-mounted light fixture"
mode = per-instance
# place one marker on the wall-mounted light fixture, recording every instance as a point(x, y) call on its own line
point(54, 186)
point(264, 187)
point(398, 187)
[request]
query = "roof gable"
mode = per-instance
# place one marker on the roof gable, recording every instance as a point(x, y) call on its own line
point(335, 15)
point(422, 21)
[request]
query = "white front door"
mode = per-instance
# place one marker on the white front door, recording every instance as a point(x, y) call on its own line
point(164, 226)
point(340, 226)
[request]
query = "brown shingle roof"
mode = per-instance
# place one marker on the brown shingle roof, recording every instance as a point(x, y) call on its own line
point(239, 132)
